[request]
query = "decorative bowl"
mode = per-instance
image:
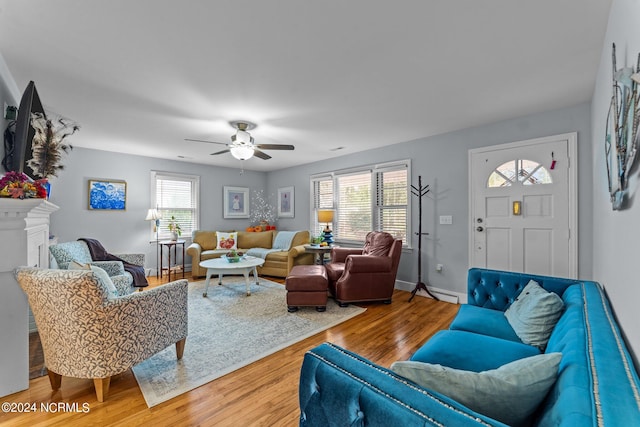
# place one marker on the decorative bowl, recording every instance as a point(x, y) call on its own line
point(232, 259)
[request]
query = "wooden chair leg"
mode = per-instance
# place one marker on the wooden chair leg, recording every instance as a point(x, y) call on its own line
point(54, 379)
point(180, 348)
point(102, 387)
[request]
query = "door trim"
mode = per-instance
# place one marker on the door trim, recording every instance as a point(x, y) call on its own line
point(572, 146)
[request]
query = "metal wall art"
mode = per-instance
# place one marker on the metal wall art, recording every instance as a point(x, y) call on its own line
point(622, 138)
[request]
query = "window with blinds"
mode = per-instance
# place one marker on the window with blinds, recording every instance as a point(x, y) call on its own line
point(176, 195)
point(353, 208)
point(364, 199)
point(392, 202)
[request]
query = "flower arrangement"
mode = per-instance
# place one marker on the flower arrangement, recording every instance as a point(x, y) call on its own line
point(49, 144)
point(19, 186)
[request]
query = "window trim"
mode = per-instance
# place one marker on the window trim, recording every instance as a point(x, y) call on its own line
point(195, 194)
point(374, 169)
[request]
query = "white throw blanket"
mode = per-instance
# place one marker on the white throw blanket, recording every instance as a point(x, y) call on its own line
point(282, 242)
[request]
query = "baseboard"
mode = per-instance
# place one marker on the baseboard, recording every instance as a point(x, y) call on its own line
point(441, 294)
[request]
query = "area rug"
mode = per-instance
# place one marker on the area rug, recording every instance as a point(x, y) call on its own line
point(229, 330)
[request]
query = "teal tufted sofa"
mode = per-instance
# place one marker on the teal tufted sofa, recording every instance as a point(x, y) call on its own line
point(597, 384)
point(63, 253)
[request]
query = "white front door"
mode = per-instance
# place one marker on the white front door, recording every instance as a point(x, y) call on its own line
point(523, 200)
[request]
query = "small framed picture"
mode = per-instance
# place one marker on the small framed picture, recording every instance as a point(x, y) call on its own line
point(107, 195)
point(236, 202)
point(286, 202)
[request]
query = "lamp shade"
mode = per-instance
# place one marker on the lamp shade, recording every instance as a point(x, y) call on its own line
point(152, 215)
point(325, 215)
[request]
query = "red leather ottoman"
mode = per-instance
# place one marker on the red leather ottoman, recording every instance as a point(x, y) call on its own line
point(306, 286)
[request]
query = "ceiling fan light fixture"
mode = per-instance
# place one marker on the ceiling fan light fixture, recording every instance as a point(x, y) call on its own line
point(241, 152)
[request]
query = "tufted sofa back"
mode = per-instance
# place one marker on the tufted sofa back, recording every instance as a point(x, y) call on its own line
point(497, 289)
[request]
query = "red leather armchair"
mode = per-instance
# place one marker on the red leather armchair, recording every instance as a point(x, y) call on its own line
point(367, 274)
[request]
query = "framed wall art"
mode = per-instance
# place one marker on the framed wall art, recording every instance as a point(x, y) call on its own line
point(235, 202)
point(286, 202)
point(107, 195)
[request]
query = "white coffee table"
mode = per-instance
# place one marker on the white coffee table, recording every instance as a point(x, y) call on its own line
point(221, 266)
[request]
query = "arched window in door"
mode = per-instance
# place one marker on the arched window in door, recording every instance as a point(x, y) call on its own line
point(521, 171)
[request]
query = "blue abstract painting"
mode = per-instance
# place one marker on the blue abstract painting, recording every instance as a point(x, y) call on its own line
point(107, 195)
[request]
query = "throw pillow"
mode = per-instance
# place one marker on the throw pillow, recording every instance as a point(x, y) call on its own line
point(106, 281)
point(227, 240)
point(75, 265)
point(509, 394)
point(534, 314)
point(100, 274)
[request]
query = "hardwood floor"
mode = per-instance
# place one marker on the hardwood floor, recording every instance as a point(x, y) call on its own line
point(264, 393)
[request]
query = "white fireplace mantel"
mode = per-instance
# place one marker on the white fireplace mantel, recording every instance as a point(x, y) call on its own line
point(24, 240)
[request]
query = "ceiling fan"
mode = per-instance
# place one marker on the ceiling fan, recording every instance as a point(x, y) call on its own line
point(242, 146)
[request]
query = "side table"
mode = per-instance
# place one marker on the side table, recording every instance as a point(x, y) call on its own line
point(319, 252)
point(171, 244)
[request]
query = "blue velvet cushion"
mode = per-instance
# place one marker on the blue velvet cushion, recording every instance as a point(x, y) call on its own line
point(534, 314)
point(471, 352)
point(509, 394)
point(483, 321)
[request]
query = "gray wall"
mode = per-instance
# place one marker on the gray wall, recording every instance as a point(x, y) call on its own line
point(442, 162)
point(616, 234)
point(127, 231)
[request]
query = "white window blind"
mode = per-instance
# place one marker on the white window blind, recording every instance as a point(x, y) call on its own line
point(368, 198)
point(322, 190)
point(176, 195)
point(353, 210)
point(392, 202)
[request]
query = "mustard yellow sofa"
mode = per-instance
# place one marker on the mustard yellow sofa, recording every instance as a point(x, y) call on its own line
point(277, 264)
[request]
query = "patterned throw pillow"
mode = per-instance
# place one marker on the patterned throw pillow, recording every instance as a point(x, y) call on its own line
point(227, 240)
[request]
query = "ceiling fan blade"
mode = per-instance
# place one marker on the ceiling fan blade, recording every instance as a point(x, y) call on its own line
point(208, 142)
point(220, 152)
point(275, 146)
point(261, 154)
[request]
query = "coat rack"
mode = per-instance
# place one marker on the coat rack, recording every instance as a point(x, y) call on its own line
point(420, 191)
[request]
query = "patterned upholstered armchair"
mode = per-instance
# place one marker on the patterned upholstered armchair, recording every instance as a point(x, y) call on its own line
point(89, 332)
point(63, 253)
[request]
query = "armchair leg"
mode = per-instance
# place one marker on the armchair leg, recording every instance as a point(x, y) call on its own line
point(180, 348)
point(55, 380)
point(102, 387)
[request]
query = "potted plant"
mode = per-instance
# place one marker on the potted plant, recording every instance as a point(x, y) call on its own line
point(174, 228)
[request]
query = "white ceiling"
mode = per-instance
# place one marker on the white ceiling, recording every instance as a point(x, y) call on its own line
point(140, 76)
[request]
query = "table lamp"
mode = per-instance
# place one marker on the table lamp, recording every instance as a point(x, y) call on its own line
point(326, 216)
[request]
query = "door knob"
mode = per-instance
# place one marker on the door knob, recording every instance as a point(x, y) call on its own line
point(479, 229)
